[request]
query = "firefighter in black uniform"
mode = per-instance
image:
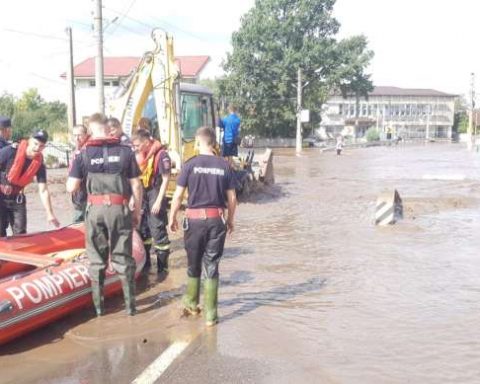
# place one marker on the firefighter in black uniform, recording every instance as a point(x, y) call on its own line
point(20, 164)
point(5, 135)
point(211, 188)
point(155, 166)
point(5, 131)
point(79, 198)
point(111, 174)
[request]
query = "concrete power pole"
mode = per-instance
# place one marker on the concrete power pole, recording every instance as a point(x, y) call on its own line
point(470, 137)
point(98, 31)
point(70, 83)
point(298, 143)
point(427, 130)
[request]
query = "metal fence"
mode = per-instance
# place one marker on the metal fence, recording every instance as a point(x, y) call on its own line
point(57, 155)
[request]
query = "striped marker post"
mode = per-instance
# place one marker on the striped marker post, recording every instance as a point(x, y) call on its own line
point(389, 208)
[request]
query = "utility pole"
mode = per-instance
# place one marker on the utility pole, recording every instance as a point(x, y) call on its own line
point(98, 32)
point(427, 130)
point(70, 83)
point(470, 112)
point(298, 145)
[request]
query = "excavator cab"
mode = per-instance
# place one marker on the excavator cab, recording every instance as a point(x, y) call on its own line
point(196, 109)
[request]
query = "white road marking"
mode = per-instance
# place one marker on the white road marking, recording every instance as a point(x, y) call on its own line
point(153, 372)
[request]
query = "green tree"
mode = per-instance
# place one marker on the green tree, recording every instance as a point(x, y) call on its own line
point(31, 111)
point(217, 86)
point(460, 117)
point(352, 79)
point(276, 37)
point(30, 101)
point(7, 104)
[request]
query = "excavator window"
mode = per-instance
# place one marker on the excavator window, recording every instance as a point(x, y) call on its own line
point(150, 112)
point(196, 113)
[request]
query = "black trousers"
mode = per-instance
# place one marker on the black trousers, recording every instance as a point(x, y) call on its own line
point(152, 226)
point(13, 212)
point(204, 242)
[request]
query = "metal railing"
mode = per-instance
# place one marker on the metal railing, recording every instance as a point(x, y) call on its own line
point(57, 155)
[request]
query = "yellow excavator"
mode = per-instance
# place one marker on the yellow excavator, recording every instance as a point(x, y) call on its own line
point(176, 110)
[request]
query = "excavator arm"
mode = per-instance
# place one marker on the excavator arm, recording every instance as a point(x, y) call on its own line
point(156, 76)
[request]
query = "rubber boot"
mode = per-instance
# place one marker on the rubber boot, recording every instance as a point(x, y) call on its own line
point(98, 299)
point(148, 261)
point(162, 260)
point(191, 297)
point(210, 296)
point(129, 297)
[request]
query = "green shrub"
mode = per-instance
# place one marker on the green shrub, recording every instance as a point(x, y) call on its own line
point(372, 134)
point(51, 161)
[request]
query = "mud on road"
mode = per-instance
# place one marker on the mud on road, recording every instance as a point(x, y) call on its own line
point(311, 290)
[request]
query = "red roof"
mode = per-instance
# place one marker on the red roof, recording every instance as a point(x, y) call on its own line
point(190, 66)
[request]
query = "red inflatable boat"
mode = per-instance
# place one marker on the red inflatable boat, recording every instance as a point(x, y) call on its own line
point(44, 276)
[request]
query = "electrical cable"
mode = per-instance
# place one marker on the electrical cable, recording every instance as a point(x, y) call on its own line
point(122, 17)
point(51, 37)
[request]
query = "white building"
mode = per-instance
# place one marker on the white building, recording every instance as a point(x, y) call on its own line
point(408, 113)
point(117, 69)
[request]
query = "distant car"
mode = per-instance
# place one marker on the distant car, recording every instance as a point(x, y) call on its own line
point(313, 141)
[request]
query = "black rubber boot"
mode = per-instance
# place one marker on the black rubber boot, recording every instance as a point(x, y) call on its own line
point(162, 260)
point(98, 299)
point(129, 297)
point(148, 260)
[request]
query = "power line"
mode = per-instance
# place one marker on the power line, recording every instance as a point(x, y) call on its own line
point(35, 74)
point(80, 23)
point(180, 29)
point(130, 18)
point(144, 24)
point(131, 31)
point(52, 37)
point(46, 78)
point(123, 16)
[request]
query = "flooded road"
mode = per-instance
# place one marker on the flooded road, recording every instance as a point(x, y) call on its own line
point(311, 291)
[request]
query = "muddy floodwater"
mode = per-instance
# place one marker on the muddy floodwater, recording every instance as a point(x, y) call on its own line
point(311, 291)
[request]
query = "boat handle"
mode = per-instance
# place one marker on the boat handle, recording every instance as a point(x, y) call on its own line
point(5, 306)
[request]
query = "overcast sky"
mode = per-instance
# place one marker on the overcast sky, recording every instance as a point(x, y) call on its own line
point(417, 43)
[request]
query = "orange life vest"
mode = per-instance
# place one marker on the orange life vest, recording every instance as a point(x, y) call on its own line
point(148, 163)
point(100, 142)
point(15, 175)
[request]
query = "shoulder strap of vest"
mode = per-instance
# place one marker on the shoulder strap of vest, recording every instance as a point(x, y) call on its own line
point(84, 157)
point(158, 155)
point(105, 157)
point(124, 159)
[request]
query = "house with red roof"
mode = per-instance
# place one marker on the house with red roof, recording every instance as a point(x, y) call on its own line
point(117, 69)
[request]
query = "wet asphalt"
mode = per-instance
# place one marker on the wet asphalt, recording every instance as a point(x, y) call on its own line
point(311, 291)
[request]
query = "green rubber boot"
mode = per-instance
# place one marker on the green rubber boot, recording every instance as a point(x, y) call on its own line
point(210, 296)
point(98, 300)
point(191, 297)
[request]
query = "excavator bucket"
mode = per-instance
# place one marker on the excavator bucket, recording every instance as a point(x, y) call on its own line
point(266, 174)
point(254, 171)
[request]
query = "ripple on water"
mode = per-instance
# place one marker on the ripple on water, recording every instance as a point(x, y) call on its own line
point(397, 304)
